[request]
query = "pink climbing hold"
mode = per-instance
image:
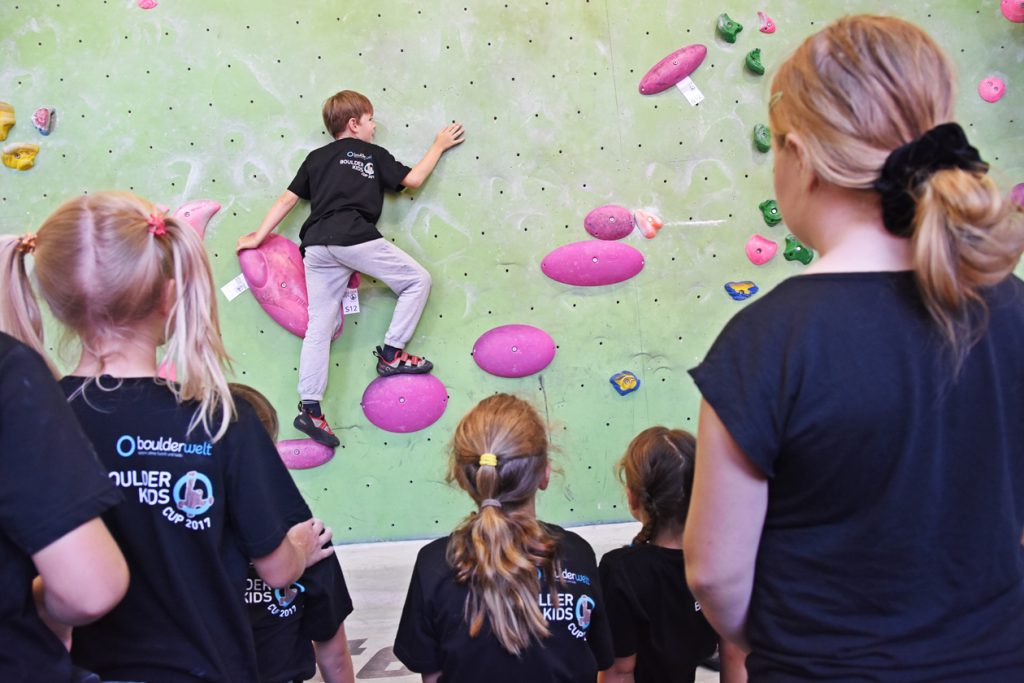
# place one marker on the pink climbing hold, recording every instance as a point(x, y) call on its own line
point(672, 69)
point(303, 454)
point(43, 119)
point(1013, 10)
point(647, 223)
point(766, 23)
point(761, 250)
point(1017, 194)
point(992, 89)
point(404, 403)
point(514, 350)
point(609, 222)
point(147, 4)
point(277, 279)
point(197, 213)
point(592, 263)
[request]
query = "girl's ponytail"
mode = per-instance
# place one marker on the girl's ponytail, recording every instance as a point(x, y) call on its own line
point(966, 237)
point(193, 340)
point(499, 456)
point(19, 311)
point(657, 470)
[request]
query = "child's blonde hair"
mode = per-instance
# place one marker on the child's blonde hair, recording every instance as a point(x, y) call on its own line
point(657, 470)
point(342, 107)
point(498, 550)
point(863, 87)
point(102, 263)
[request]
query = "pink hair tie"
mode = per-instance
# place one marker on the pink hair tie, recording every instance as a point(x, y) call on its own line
point(157, 224)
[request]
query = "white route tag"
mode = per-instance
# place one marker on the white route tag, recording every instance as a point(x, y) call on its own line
point(232, 289)
point(690, 91)
point(350, 302)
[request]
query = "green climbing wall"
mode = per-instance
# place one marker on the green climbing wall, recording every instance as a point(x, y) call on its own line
point(197, 99)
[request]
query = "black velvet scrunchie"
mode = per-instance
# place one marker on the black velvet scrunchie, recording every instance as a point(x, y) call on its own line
point(944, 146)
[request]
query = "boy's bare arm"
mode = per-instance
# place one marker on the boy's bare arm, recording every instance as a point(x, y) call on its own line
point(445, 140)
point(277, 212)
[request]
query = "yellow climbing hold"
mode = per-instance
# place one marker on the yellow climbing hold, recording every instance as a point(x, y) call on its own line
point(20, 156)
point(6, 119)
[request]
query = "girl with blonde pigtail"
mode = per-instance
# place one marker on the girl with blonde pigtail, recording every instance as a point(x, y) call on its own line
point(204, 489)
point(505, 597)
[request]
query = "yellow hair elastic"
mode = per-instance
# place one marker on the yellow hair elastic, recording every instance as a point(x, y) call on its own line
point(488, 459)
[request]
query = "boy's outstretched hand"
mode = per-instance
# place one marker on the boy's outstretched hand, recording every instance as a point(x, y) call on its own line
point(250, 241)
point(450, 136)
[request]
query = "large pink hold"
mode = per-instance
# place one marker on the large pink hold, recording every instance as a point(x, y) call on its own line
point(404, 403)
point(1013, 10)
point(672, 69)
point(514, 350)
point(275, 275)
point(197, 213)
point(761, 250)
point(592, 263)
point(609, 222)
point(302, 454)
point(992, 89)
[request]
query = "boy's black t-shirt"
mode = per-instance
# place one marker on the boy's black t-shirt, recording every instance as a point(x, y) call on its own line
point(891, 548)
point(653, 615)
point(285, 622)
point(50, 484)
point(433, 634)
point(195, 512)
point(345, 181)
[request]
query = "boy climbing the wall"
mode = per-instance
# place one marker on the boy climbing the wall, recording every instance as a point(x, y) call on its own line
point(345, 182)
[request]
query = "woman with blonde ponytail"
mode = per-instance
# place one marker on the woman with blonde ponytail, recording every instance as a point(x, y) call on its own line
point(505, 597)
point(204, 489)
point(858, 502)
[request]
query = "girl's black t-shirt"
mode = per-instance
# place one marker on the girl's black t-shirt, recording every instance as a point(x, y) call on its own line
point(286, 621)
point(194, 514)
point(891, 548)
point(433, 634)
point(50, 484)
point(653, 615)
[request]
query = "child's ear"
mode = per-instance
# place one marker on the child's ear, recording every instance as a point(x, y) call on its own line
point(795, 145)
point(546, 479)
point(352, 125)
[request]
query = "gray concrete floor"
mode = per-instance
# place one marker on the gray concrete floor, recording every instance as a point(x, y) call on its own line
point(378, 575)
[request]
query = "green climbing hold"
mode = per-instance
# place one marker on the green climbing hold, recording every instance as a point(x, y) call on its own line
point(728, 28)
point(770, 211)
point(795, 251)
point(762, 137)
point(754, 61)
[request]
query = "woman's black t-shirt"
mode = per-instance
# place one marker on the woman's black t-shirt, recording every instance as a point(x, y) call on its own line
point(50, 484)
point(653, 615)
point(891, 548)
point(194, 513)
point(433, 634)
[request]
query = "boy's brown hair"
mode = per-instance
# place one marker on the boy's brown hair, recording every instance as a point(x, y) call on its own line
point(343, 106)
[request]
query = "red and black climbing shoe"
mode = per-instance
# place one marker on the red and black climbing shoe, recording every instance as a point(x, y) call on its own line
point(316, 428)
point(401, 364)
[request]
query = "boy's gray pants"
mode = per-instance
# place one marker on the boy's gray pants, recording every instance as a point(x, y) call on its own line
point(328, 269)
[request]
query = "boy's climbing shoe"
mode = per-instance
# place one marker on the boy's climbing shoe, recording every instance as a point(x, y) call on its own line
point(401, 364)
point(315, 428)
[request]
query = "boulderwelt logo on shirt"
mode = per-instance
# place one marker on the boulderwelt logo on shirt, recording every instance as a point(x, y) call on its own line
point(184, 499)
point(360, 163)
point(568, 609)
point(279, 603)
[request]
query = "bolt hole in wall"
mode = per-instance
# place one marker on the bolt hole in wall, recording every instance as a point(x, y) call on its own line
point(193, 100)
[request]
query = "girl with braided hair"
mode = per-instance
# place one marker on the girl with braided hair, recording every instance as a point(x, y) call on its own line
point(506, 597)
point(659, 633)
point(858, 501)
